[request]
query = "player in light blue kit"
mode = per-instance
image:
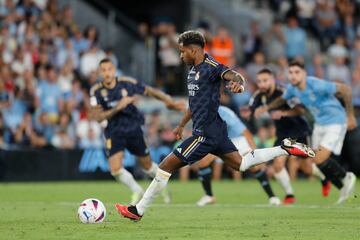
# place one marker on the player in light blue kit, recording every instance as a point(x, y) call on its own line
point(243, 141)
point(331, 122)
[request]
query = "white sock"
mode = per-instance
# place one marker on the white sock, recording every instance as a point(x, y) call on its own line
point(316, 172)
point(283, 178)
point(151, 172)
point(128, 180)
point(258, 156)
point(156, 186)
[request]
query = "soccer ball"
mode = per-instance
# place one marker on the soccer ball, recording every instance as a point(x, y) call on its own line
point(92, 211)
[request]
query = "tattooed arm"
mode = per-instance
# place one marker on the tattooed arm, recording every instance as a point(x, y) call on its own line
point(237, 81)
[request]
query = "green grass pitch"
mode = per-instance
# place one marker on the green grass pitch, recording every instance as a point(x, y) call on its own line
point(49, 211)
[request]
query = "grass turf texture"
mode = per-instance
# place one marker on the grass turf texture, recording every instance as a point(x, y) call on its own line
point(49, 211)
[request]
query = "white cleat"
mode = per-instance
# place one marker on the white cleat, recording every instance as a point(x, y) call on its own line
point(206, 200)
point(136, 197)
point(297, 149)
point(274, 201)
point(348, 189)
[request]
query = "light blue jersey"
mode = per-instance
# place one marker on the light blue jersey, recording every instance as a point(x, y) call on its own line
point(235, 127)
point(319, 98)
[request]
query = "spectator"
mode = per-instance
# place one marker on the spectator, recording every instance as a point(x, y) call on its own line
point(252, 42)
point(256, 65)
point(338, 49)
point(64, 137)
point(89, 133)
point(4, 96)
point(14, 113)
point(316, 67)
point(349, 30)
point(68, 21)
point(355, 52)
point(80, 44)
point(22, 62)
point(222, 46)
point(91, 140)
point(90, 60)
point(170, 59)
point(295, 39)
point(25, 135)
point(338, 71)
point(306, 11)
point(326, 22)
point(65, 79)
point(274, 42)
point(67, 54)
point(44, 127)
point(91, 35)
point(48, 96)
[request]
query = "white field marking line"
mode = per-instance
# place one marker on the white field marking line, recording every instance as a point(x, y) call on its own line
point(235, 205)
point(217, 205)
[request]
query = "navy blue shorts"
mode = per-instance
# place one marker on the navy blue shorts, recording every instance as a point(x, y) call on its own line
point(134, 144)
point(195, 148)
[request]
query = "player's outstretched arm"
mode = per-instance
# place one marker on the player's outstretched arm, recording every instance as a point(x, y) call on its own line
point(274, 104)
point(296, 111)
point(167, 99)
point(179, 129)
point(99, 114)
point(237, 81)
point(344, 93)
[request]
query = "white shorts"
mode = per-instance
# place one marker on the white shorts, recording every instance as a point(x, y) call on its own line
point(330, 137)
point(241, 144)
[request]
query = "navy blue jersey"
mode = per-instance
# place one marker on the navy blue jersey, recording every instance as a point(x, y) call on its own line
point(128, 121)
point(204, 82)
point(293, 127)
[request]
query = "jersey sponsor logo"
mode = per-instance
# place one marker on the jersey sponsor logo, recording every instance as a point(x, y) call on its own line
point(192, 89)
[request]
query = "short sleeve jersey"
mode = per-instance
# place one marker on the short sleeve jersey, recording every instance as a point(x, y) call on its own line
point(287, 126)
point(128, 121)
point(319, 97)
point(204, 82)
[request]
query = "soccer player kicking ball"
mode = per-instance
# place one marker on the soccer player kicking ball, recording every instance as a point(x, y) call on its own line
point(112, 100)
point(209, 130)
point(243, 141)
point(331, 121)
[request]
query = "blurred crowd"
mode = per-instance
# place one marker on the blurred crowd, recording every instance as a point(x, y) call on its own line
point(48, 65)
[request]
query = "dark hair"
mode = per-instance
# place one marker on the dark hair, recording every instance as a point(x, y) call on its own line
point(265, 70)
point(192, 37)
point(105, 60)
point(297, 63)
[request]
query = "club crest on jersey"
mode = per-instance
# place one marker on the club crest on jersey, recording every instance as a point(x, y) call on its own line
point(104, 93)
point(124, 92)
point(197, 76)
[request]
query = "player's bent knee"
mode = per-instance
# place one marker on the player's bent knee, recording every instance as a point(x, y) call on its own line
point(171, 163)
point(233, 160)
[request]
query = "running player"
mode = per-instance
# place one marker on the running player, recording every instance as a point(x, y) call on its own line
point(209, 130)
point(112, 100)
point(285, 118)
point(243, 141)
point(331, 121)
